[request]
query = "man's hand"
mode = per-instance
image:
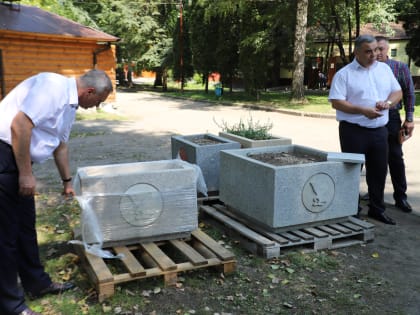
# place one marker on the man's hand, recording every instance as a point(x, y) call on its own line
point(372, 112)
point(381, 105)
point(27, 185)
point(409, 127)
point(68, 191)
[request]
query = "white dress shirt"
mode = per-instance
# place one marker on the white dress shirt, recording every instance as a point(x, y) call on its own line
point(50, 101)
point(363, 87)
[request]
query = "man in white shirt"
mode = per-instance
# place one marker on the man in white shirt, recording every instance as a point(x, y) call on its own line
point(362, 93)
point(35, 122)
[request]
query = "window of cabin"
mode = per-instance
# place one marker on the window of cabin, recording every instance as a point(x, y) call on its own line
point(394, 52)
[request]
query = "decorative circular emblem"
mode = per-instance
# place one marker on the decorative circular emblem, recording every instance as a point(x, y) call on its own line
point(141, 205)
point(318, 192)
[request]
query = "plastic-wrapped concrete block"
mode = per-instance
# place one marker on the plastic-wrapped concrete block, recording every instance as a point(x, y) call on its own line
point(133, 201)
point(290, 195)
point(204, 151)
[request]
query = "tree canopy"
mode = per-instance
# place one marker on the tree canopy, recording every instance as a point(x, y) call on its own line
point(250, 40)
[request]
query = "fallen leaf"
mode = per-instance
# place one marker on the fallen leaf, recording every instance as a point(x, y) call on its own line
point(288, 305)
point(290, 270)
point(106, 308)
point(375, 255)
point(156, 290)
point(275, 280)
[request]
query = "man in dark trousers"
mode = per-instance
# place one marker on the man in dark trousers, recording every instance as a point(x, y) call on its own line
point(362, 92)
point(35, 123)
point(395, 154)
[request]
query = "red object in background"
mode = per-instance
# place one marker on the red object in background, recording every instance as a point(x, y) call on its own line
point(214, 76)
point(182, 154)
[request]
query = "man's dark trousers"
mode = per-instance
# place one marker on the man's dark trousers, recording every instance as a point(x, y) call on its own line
point(373, 143)
point(395, 157)
point(19, 253)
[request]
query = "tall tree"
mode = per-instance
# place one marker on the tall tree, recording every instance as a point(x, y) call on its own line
point(204, 37)
point(298, 91)
point(410, 15)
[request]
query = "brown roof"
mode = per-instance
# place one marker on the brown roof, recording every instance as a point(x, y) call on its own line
point(28, 19)
point(397, 28)
point(370, 29)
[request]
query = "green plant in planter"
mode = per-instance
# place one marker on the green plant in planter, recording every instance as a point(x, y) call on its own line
point(248, 129)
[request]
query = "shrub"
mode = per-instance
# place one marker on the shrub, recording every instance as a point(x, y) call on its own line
point(248, 129)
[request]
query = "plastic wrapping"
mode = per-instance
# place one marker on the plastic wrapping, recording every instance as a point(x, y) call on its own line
point(127, 202)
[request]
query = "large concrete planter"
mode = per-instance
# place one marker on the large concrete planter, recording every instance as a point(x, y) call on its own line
point(129, 202)
point(250, 143)
point(278, 197)
point(204, 151)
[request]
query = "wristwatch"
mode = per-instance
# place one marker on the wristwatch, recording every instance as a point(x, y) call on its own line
point(409, 119)
point(389, 103)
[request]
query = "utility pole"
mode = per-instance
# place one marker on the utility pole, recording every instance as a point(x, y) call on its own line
point(181, 44)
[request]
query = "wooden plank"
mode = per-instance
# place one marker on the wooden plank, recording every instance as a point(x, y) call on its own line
point(193, 256)
point(99, 267)
point(303, 235)
point(159, 256)
point(219, 250)
point(315, 232)
point(279, 239)
point(237, 226)
point(364, 224)
point(328, 230)
point(340, 228)
point(352, 226)
point(130, 262)
point(291, 237)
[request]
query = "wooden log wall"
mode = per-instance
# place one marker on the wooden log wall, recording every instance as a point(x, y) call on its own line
point(24, 56)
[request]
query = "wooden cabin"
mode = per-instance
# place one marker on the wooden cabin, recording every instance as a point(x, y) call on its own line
point(33, 40)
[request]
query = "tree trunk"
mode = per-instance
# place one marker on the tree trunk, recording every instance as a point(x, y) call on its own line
point(298, 93)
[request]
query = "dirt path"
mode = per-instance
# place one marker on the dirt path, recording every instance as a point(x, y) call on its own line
point(394, 255)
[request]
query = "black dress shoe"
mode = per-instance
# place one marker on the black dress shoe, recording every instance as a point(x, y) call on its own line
point(404, 206)
point(382, 217)
point(28, 311)
point(53, 288)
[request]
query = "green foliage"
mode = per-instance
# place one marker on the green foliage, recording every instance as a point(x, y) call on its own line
point(409, 13)
point(248, 129)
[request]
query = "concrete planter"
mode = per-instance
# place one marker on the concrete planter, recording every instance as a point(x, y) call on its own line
point(250, 143)
point(129, 202)
point(204, 151)
point(278, 197)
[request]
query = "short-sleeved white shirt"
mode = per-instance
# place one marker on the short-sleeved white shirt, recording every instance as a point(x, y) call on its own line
point(50, 101)
point(363, 87)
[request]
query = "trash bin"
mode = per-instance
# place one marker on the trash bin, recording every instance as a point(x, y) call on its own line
point(218, 89)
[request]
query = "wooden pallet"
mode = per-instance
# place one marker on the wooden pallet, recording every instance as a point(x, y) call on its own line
point(163, 258)
point(346, 232)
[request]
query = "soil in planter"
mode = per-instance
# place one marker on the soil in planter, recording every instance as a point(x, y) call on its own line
point(284, 158)
point(204, 141)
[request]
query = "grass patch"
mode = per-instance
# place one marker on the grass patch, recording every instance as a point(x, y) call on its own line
point(99, 114)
